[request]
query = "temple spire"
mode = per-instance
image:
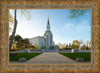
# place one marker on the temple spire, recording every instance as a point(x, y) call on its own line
point(48, 25)
point(48, 20)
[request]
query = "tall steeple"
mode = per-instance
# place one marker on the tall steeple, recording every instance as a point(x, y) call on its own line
point(48, 36)
point(48, 25)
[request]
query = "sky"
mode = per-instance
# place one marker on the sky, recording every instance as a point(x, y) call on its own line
point(64, 30)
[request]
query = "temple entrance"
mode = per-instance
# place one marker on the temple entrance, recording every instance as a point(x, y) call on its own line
point(52, 48)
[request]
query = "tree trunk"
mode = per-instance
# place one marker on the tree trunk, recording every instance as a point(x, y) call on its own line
point(13, 33)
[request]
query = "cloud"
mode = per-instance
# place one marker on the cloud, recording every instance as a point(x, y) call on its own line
point(78, 31)
point(28, 29)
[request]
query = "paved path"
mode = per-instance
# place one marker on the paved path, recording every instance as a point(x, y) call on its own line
point(51, 58)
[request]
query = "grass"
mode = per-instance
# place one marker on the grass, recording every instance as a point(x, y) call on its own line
point(16, 56)
point(85, 56)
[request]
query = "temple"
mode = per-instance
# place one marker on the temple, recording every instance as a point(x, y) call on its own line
point(44, 41)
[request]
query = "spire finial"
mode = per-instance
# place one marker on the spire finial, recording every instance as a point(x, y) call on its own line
point(48, 16)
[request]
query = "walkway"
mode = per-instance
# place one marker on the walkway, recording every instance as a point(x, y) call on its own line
point(51, 58)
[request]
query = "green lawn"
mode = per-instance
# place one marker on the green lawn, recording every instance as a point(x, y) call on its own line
point(16, 56)
point(85, 56)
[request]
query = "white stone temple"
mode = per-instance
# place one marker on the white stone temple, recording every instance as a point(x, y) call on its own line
point(45, 40)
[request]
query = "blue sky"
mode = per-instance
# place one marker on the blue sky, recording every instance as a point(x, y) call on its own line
point(64, 30)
